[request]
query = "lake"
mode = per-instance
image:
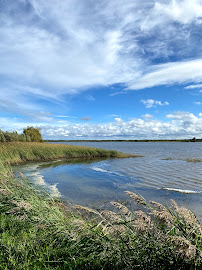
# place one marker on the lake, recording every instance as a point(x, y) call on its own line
point(167, 170)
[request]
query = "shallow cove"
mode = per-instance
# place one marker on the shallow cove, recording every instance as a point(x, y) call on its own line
point(166, 171)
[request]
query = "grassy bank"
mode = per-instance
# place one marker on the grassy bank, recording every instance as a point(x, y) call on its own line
point(39, 232)
point(17, 152)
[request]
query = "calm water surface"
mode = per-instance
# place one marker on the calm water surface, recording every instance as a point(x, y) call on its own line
point(163, 173)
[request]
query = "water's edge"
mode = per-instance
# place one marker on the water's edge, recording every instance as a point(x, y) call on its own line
point(163, 173)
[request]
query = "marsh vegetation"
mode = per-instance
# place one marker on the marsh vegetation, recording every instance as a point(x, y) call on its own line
point(17, 152)
point(38, 231)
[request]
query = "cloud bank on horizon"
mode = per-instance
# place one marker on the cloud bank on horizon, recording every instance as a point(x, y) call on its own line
point(69, 57)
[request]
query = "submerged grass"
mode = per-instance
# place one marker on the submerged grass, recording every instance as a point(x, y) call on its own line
point(17, 152)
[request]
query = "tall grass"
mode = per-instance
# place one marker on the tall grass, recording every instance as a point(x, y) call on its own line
point(39, 232)
point(17, 152)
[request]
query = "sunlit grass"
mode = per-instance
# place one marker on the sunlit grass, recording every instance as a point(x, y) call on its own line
point(16, 152)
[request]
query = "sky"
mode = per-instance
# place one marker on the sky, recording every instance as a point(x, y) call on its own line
point(104, 69)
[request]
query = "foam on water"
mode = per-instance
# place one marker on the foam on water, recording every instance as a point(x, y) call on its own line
point(38, 179)
point(54, 190)
point(112, 172)
point(100, 170)
point(183, 190)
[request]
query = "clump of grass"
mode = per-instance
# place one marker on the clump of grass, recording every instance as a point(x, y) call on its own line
point(194, 160)
point(14, 153)
point(167, 238)
point(169, 158)
point(40, 232)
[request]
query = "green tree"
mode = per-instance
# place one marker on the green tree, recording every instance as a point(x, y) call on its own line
point(193, 139)
point(32, 134)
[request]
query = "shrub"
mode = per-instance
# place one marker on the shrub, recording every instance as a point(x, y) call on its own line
point(2, 137)
point(11, 136)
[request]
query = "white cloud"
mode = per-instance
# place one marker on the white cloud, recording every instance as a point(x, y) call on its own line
point(179, 125)
point(183, 11)
point(149, 103)
point(182, 116)
point(118, 120)
point(66, 47)
point(194, 86)
point(171, 73)
point(182, 125)
point(198, 103)
point(77, 54)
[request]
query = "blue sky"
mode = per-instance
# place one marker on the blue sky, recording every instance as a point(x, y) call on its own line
point(104, 69)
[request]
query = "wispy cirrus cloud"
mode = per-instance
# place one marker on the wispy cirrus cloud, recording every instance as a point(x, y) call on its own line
point(29, 113)
point(170, 73)
point(74, 45)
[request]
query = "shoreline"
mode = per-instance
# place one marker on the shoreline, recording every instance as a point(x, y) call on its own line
point(185, 140)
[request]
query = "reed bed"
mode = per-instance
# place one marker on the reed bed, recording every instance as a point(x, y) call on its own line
point(18, 152)
point(194, 160)
point(40, 232)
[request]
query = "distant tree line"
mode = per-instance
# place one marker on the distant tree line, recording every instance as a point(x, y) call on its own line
point(160, 140)
point(29, 134)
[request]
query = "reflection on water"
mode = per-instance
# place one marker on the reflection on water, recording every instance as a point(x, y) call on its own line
point(164, 172)
point(70, 161)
